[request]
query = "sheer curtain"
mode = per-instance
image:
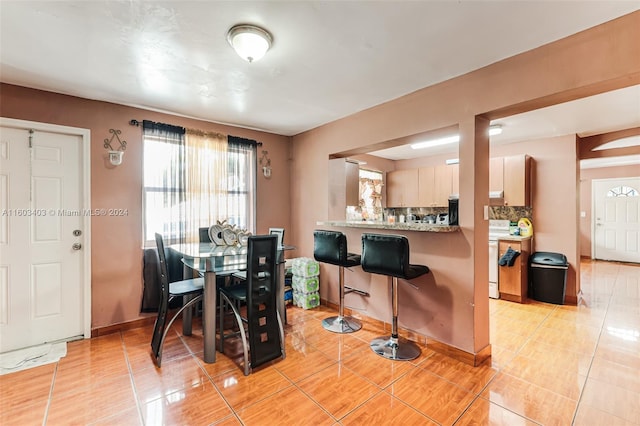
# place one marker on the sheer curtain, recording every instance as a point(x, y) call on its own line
point(164, 182)
point(206, 194)
point(241, 186)
point(193, 179)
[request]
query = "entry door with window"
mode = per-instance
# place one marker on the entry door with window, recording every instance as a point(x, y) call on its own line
point(616, 207)
point(42, 233)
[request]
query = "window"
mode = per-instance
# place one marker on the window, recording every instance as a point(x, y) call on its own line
point(622, 191)
point(163, 186)
point(194, 179)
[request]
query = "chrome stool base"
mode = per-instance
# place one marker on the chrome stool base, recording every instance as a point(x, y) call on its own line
point(397, 349)
point(340, 324)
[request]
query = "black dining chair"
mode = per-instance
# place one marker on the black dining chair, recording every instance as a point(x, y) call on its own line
point(190, 291)
point(263, 338)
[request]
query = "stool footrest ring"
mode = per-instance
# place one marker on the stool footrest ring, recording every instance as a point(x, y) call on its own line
point(340, 324)
point(397, 349)
point(348, 289)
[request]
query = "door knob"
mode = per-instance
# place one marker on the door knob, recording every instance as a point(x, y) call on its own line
point(76, 246)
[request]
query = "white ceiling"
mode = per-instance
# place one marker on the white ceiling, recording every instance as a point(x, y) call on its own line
point(607, 112)
point(329, 59)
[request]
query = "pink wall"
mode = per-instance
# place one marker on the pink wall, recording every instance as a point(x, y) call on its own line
point(554, 199)
point(586, 178)
point(116, 246)
point(451, 304)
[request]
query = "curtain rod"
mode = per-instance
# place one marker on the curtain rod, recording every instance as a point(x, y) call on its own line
point(137, 123)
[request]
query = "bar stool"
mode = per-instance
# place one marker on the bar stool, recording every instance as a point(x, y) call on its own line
point(331, 247)
point(389, 255)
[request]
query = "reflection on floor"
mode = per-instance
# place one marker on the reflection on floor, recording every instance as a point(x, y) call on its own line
point(551, 364)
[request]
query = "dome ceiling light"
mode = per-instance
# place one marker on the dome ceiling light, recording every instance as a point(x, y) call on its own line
point(249, 41)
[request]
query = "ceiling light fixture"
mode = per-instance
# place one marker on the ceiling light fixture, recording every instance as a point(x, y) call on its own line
point(495, 129)
point(436, 142)
point(249, 42)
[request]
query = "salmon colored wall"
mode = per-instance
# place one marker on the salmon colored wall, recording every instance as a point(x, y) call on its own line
point(586, 178)
point(451, 304)
point(116, 276)
point(554, 199)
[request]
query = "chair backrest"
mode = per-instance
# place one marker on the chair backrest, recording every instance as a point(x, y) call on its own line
point(330, 247)
point(164, 297)
point(385, 254)
point(262, 293)
point(203, 234)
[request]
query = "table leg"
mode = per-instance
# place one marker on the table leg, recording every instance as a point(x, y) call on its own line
point(209, 305)
point(187, 314)
point(280, 273)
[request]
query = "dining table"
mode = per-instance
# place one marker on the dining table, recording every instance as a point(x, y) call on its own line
point(211, 260)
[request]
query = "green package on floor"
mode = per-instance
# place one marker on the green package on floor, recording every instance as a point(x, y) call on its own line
point(306, 284)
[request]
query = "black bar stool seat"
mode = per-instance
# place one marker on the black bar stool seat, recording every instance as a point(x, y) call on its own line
point(389, 255)
point(331, 247)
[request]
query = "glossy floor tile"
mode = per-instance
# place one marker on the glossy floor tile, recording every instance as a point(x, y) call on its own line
point(550, 365)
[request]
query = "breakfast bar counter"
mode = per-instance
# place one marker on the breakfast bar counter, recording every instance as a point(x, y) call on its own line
point(405, 226)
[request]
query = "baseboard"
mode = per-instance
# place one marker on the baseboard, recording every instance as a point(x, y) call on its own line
point(571, 300)
point(442, 348)
point(123, 326)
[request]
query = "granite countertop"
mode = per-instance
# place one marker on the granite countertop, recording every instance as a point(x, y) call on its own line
point(409, 226)
point(514, 238)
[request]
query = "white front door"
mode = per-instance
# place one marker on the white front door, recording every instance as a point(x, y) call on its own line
point(43, 237)
point(616, 219)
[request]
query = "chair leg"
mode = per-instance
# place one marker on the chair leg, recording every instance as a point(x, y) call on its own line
point(221, 308)
point(340, 323)
point(187, 317)
point(394, 347)
point(281, 328)
point(187, 305)
point(243, 334)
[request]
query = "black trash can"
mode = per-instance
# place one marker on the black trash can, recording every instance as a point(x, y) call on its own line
point(548, 277)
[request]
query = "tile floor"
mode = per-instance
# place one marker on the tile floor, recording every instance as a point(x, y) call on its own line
point(551, 365)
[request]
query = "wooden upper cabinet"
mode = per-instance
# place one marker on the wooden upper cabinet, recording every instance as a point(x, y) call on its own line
point(455, 179)
point(426, 185)
point(402, 188)
point(517, 180)
point(435, 185)
point(443, 184)
point(423, 187)
point(496, 177)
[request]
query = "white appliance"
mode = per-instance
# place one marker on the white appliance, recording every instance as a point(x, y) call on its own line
point(497, 228)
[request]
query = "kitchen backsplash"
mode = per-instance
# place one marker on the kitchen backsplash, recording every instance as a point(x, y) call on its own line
point(511, 213)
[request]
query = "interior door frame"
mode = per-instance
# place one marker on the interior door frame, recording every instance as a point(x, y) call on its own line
point(593, 207)
point(85, 176)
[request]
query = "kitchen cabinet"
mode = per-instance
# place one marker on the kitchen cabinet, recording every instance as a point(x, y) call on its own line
point(435, 185)
point(455, 178)
point(402, 188)
point(512, 176)
point(517, 180)
point(423, 187)
point(344, 187)
point(513, 280)
point(496, 176)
